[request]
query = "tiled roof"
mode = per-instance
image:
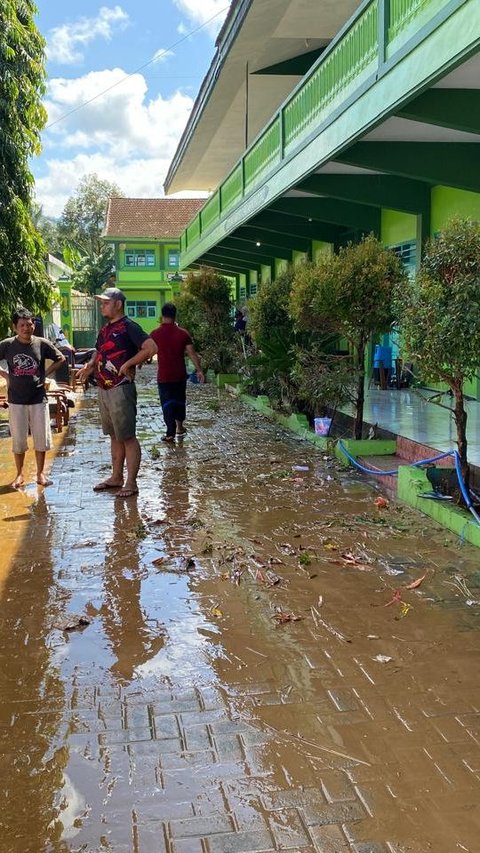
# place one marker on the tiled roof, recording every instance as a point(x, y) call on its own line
point(150, 217)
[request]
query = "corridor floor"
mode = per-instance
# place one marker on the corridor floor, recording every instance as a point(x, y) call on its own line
point(256, 674)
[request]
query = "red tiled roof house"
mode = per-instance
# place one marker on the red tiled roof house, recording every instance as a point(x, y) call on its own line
point(145, 234)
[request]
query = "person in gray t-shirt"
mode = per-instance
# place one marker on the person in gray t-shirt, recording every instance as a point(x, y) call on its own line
point(25, 355)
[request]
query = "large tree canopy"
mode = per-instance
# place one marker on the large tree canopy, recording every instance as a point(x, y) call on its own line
point(23, 276)
point(83, 216)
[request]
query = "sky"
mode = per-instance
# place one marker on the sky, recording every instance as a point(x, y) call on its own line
point(122, 79)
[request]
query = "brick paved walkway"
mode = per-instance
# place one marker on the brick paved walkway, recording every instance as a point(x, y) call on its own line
point(185, 718)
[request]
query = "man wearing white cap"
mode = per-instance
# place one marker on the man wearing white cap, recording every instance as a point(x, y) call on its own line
point(120, 346)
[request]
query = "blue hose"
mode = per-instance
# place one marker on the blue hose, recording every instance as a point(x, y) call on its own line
point(458, 470)
point(376, 471)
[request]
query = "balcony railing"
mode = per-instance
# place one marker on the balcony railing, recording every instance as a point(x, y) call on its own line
point(377, 30)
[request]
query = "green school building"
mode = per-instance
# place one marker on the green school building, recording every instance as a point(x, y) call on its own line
point(145, 234)
point(319, 122)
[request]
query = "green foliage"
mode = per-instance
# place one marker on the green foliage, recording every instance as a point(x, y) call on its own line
point(22, 83)
point(93, 271)
point(440, 310)
point(325, 380)
point(268, 313)
point(83, 216)
point(350, 294)
point(268, 369)
point(440, 315)
point(204, 308)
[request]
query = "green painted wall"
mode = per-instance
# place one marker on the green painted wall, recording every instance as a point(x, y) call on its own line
point(265, 272)
point(159, 296)
point(319, 248)
point(397, 227)
point(65, 291)
point(281, 266)
point(135, 276)
point(299, 257)
point(242, 286)
point(448, 202)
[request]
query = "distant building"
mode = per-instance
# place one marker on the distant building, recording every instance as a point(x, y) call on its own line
point(145, 234)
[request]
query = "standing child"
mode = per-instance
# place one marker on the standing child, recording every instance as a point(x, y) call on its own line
point(25, 355)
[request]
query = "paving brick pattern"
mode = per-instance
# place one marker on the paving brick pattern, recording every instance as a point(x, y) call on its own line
point(183, 719)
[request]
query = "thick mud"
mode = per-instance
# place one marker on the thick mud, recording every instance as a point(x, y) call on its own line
point(272, 661)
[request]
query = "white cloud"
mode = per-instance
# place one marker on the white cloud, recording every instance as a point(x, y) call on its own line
point(122, 136)
point(65, 43)
point(162, 55)
point(200, 13)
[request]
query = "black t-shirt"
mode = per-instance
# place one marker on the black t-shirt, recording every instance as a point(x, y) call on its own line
point(26, 368)
point(116, 343)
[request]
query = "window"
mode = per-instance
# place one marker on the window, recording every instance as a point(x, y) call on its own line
point(407, 252)
point(242, 292)
point(253, 288)
point(139, 258)
point(141, 309)
point(173, 258)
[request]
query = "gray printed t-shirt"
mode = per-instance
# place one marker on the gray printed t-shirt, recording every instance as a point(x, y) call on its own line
point(26, 368)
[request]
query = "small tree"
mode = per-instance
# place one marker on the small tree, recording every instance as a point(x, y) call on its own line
point(271, 327)
point(440, 316)
point(204, 308)
point(350, 294)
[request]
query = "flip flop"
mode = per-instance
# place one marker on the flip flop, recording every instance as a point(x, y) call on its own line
point(127, 493)
point(103, 487)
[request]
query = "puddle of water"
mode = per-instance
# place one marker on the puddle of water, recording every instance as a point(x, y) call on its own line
point(254, 676)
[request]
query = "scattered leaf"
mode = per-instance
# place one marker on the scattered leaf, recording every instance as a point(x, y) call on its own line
point(281, 616)
point(382, 658)
point(404, 610)
point(415, 584)
point(381, 503)
point(397, 598)
point(215, 611)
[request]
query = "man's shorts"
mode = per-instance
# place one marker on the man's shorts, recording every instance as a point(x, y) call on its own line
point(118, 410)
point(37, 419)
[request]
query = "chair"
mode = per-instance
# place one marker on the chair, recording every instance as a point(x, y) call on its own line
point(59, 407)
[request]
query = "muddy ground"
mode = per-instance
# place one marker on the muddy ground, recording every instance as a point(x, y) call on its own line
point(272, 661)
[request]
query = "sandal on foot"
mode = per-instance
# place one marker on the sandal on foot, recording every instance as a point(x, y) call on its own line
point(127, 493)
point(168, 438)
point(103, 487)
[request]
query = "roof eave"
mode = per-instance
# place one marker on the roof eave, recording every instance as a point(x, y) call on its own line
point(226, 37)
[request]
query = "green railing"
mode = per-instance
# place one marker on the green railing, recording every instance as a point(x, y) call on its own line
point(404, 12)
point(262, 155)
point(231, 190)
point(193, 230)
point(350, 59)
point(342, 66)
point(210, 211)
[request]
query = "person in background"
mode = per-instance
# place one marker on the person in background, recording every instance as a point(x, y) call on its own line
point(121, 346)
point(57, 336)
point(25, 354)
point(173, 343)
point(240, 322)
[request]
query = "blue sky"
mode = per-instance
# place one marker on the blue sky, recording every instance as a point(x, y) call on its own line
point(128, 134)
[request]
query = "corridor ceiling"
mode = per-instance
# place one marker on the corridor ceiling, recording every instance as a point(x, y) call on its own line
point(243, 86)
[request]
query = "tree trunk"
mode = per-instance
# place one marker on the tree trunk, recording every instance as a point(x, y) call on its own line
point(360, 395)
point(460, 416)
